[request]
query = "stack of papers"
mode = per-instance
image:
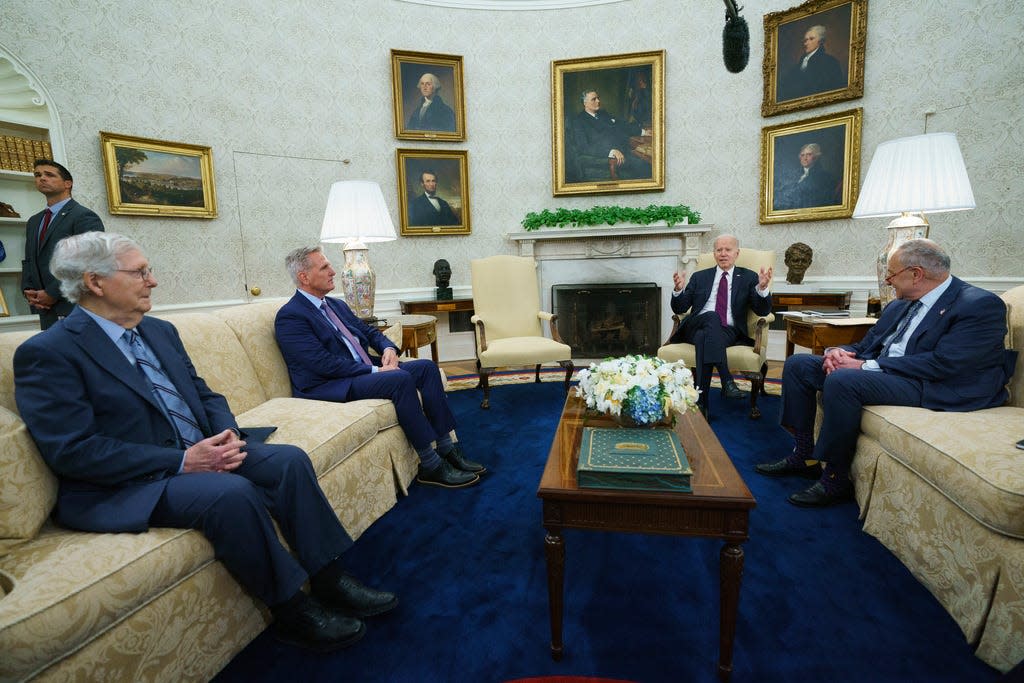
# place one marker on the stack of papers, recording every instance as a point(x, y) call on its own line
point(827, 314)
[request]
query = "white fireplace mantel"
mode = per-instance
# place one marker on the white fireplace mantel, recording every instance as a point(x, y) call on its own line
point(614, 241)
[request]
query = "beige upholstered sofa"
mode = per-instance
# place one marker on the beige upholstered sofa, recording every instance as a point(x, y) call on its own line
point(157, 606)
point(945, 493)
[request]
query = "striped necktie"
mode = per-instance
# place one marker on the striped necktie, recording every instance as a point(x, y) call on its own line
point(346, 333)
point(901, 329)
point(47, 217)
point(166, 394)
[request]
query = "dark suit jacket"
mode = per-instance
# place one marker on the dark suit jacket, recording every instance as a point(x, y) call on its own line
point(957, 351)
point(822, 74)
point(819, 188)
point(97, 424)
point(320, 365)
point(439, 116)
point(698, 290)
point(422, 212)
point(73, 219)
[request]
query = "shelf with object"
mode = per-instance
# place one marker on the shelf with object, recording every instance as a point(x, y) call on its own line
point(25, 114)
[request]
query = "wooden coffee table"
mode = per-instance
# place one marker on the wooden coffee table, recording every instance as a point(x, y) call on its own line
point(718, 507)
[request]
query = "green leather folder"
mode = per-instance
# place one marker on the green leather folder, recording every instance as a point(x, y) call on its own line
point(642, 459)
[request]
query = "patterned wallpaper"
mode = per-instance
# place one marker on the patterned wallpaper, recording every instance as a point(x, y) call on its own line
point(292, 96)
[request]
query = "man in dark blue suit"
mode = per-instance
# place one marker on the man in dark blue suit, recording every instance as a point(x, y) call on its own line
point(939, 346)
point(137, 439)
point(63, 216)
point(326, 349)
point(718, 300)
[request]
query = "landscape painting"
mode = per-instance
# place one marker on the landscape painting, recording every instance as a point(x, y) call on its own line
point(155, 178)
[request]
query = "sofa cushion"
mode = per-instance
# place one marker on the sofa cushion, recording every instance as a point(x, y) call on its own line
point(67, 587)
point(219, 358)
point(9, 342)
point(28, 488)
point(328, 432)
point(253, 325)
point(969, 457)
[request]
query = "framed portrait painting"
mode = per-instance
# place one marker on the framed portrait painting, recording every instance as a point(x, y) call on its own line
point(810, 169)
point(428, 96)
point(433, 192)
point(155, 178)
point(608, 124)
point(814, 55)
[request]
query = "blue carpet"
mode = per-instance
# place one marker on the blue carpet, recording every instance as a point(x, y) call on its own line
point(821, 600)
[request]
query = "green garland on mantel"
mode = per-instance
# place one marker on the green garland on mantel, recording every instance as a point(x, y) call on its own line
point(610, 215)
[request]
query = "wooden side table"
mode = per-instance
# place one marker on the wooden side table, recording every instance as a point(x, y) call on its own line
point(417, 331)
point(817, 335)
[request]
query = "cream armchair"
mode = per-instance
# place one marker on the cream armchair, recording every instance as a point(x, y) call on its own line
point(507, 320)
point(751, 362)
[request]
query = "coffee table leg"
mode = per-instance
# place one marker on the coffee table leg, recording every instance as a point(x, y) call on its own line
point(554, 550)
point(730, 572)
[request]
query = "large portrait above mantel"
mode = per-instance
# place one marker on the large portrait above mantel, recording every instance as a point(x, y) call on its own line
point(608, 124)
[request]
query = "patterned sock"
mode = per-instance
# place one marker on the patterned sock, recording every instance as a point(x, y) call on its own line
point(429, 459)
point(834, 480)
point(445, 445)
point(803, 445)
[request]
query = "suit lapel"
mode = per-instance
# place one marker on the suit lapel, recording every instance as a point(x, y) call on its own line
point(98, 346)
point(936, 312)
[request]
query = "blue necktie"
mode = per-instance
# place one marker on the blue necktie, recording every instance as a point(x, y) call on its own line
point(166, 394)
point(901, 329)
point(343, 330)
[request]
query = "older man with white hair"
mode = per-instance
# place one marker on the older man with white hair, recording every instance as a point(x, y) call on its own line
point(431, 112)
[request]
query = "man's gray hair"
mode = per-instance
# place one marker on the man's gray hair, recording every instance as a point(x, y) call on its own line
point(583, 95)
point(924, 254)
point(813, 147)
point(820, 31)
point(89, 252)
point(297, 261)
point(435, 79)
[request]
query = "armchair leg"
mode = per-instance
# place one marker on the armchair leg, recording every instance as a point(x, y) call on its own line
point(483, 374)
point(756, 387)
point(567, 364)
point(537, 374)
point(764, 373)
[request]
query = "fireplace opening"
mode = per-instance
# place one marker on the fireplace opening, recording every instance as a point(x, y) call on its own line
point(609, 319)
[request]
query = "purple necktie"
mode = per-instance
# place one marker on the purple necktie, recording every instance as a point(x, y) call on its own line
point(722, 300)
point(351, 338)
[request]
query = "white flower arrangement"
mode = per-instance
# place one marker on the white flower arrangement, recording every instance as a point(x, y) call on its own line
point(646, 390)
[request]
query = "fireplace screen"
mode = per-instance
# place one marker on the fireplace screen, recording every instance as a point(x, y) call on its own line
point(609, 319)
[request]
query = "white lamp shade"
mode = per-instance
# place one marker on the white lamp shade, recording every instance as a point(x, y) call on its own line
point(918, 174)
point(356, 212)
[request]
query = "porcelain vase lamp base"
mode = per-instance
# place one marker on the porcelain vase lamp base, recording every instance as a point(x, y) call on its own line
point(358, 281)
point(901, 229)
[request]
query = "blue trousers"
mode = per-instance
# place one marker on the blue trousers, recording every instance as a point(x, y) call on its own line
point(843, 394)
point(234, 510)
point(404, 387)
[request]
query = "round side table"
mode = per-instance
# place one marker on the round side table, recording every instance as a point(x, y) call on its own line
point(417, 331)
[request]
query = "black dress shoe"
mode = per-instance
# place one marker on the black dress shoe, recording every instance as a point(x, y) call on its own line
point(446, 475)
point(731, 390)
point(311, 625)
point(811, 469)
point(703, 407)
point(459, 462)
point(817, 496)
point(345, 593)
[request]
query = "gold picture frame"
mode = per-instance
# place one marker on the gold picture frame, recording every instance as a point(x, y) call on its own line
point(450, 185)
point(810, 169)
point(147, 177)
point(445, 117)
point(836, 32)
point(4, 311)
point(585, 154)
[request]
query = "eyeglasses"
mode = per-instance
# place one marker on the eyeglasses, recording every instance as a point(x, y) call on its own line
point(138, 273)
point(890, 276)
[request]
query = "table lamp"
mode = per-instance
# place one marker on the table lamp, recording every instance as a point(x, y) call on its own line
point(356, 214)
point(907, 178)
